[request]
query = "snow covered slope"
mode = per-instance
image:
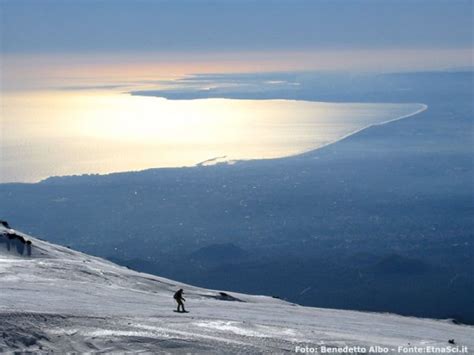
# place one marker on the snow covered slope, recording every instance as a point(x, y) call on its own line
point(61, 300)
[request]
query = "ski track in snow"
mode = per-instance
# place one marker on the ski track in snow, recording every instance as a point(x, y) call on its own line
point(59, 300)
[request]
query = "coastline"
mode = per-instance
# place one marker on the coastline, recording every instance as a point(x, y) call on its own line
point(303, 154)
point(214, 162)
point(423, 108)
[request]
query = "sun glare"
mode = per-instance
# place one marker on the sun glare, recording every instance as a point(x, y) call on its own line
point(103, 131)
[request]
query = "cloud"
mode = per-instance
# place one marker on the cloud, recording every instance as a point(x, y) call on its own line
point(56, 26)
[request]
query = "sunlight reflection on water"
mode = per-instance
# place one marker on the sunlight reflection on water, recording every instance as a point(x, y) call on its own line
point(64, 133)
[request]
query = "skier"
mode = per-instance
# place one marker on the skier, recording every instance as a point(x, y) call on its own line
point(178, 296)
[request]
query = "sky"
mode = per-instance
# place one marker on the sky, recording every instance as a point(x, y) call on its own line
point(50, 42)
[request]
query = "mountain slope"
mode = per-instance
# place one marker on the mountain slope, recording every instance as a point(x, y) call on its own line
point(61, 300)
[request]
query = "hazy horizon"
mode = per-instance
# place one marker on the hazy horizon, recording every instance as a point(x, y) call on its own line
point(46, 44)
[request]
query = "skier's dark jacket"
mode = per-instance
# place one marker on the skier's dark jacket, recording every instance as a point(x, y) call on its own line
point(178, 295)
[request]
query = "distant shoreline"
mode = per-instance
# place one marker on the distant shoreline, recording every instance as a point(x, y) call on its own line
point(424, 107)
point(209, 162)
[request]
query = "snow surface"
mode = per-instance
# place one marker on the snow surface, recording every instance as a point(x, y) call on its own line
point(64, 301)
